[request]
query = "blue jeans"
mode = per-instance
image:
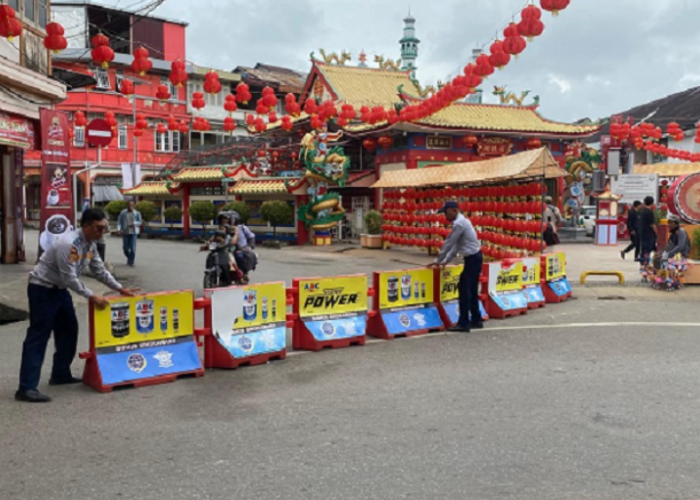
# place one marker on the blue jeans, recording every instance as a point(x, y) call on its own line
point(469, 290)
point(129, 248)
point(50, 309)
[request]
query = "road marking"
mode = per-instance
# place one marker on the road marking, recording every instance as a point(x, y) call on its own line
point(526, 327)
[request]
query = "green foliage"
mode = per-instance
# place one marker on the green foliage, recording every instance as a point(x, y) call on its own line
point(173, 212)
point(277, 213)
point(241, 207)
point(148, 210)
point(373, 222)
point(203, 212)
point(114, 208)
point(659, 215)
point(695, 244)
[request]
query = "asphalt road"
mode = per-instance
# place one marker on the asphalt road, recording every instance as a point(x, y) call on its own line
point(590, 399)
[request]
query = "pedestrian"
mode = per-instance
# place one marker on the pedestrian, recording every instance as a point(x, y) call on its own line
point(246, 258)
point(632, 227)
point(51, 305)
point(678, 243)
point(129, 224)
point(463, 240)
point(647, 231)
point(552, 215)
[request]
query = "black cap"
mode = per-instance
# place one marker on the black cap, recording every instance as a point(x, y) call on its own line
point(448, 204)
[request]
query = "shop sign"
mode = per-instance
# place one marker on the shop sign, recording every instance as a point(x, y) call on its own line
point(16, 131)
point(436, 142)
point(494, 146)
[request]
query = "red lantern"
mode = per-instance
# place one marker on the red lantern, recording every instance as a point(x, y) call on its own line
point(110, 118)
point(212, 85)
point(385, 142)
point(230, 104)
point(127, 88)
point(269, 99)
point(163, 93)
point(287, 123)
point(198, 100)
point(178, 75)
point(554, 6)
point(483, 67)
point(514, 44)
point(79, 119)
point(530, 26)
point(55, 41)
point(470, 140)
point(102, 54)
point(184, 128)
point(498, 58)
point(161, 128)
point(533, 143)
point(10, 27)
point(141, 122)
point(243, 94)
point(141, 63)
point(173, 125)
point(370, 144)
point(138, 133)
point(229, 124)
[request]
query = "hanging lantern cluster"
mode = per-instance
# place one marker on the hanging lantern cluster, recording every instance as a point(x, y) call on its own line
point(102, 54)
point(385, 142)
point(370, 144)
point(55, 40)
point(141, 63)
point(178, 74)
point(79, 119)
point(533, 143)
point(554, 6)
point(198, 101)
point(212, 84)
point(291, 106)
point(230, 104)
point(163, 93)
point(201, 124)
point(161, 128)
point(229, 125)
point(674, 130)
point(140, 126)
point(508, 219)
point(287, 124)
point(243, 95)
point(498, 58)
point(470, 141)
point(111, 119)
point(514, 43)
point(663, 195)
point(10, 26)
point(173, 124)
point(531, 25)
point(183, 127)
point(127, 88)
point(646, 136)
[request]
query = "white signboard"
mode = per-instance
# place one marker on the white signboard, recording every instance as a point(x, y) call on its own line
point(633, 187)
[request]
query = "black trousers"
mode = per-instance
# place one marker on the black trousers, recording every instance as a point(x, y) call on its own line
point(50, 309)
point(634, 245)
point(469, 311)
point(101, 247)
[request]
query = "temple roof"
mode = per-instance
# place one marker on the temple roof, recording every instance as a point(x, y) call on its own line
point(155, 188)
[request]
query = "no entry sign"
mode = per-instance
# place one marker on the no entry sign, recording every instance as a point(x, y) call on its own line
point(99, 133)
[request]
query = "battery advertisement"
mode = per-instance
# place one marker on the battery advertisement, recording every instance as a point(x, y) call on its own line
point(506, 286)
point(406, 301)
point(449, 293)
point(249, 321)
point(532, 275)
point(145, 336)
point(334, 308)
point(556, 266)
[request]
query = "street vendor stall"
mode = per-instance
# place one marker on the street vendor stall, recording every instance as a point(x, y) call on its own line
point(503, 197)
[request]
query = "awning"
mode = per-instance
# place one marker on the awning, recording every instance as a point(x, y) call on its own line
point(72, 79)
point(668, 169)
point(106, 193)
point(151, 189)
point(526, 165)
point(267, 186)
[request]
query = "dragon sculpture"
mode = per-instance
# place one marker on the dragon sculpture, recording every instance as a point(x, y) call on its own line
point(388, 64)
point(507, 98)
point(333, 57)
point(581, 162)
point(325, 166)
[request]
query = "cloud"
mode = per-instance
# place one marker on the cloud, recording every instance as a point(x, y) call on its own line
point(561, 82)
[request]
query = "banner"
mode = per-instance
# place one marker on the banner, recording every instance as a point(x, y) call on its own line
point(406, 301)
point(334, 308)
point(147, 336)
point(505, 286)
point(556, 266)
point(249, 321)
point(56, 182)
point(449, 292)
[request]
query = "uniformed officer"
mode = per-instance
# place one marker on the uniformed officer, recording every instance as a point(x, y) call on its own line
point(51, 305)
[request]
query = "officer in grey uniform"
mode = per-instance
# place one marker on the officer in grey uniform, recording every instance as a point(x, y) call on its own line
point(51, 305)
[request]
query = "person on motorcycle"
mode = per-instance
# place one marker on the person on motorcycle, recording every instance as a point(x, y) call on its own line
point(222, 241)
point(246, 258)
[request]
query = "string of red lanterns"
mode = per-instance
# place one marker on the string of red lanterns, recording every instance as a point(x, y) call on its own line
point(646, 135)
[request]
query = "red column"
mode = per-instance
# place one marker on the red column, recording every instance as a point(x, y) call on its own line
point(186, 209)
point(302, 232)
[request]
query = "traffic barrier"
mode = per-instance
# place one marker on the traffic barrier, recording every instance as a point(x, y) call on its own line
point(245, 326)
point(404, 302)
point(555, 285)
point(532, 283)
point(330, 312)
point(140, 341)
point(447, 294)
point(618, 274)
point(504, 287)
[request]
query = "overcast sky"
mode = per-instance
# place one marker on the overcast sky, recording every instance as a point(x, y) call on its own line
point(596, 58)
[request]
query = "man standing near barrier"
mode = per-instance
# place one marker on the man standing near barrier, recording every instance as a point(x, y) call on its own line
point(463, 240)
point(51, 305)
point(129, 225)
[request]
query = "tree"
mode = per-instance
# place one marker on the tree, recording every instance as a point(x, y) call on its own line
point(203, 212)
point(373, 222)
point(277, 213)
point(172, 213)
point(114, 208)
point(240, 207)
point(148, 210)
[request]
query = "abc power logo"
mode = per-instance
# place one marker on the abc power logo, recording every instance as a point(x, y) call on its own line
point(328, 298)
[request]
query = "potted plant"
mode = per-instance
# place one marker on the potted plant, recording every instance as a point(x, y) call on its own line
point(373, 226)
point(277, 213)
point(203, 212)
point(149, 212)
point(173, 215)
point(113, 209)
point(239, 207)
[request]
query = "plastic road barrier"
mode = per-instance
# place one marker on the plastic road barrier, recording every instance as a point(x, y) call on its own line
point(405, 303)
point(505, 289)
point(532, 283)
point(555, 285)
point(447, 295)
point(144, 340)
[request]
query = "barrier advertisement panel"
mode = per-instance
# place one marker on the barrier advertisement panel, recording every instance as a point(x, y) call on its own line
point(506, 286)
point(249, 321)
point(555, 274)
point(334, 308)
point(449, 292)
point(532, 274)
point(406, 301)
point(145, 337)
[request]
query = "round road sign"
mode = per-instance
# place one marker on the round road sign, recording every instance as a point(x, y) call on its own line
point(99, 133)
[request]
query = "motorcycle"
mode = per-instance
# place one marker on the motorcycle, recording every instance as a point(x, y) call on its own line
point(212, 272)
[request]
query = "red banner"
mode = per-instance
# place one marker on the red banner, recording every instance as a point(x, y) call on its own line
point(494, 146)
point(56, 192)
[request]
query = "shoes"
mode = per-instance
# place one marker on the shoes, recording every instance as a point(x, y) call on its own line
point(622, 254)
point(32, 396)
point(477, 326)
point(459, 329)
point(65, 381)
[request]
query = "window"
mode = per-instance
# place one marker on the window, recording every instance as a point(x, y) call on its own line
point(42, 12)
point(118, 78)
point(29, 10)
point(168, 142)
point(102, 78)
point(79, 137)
point(14, 4)
point(122, 136)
